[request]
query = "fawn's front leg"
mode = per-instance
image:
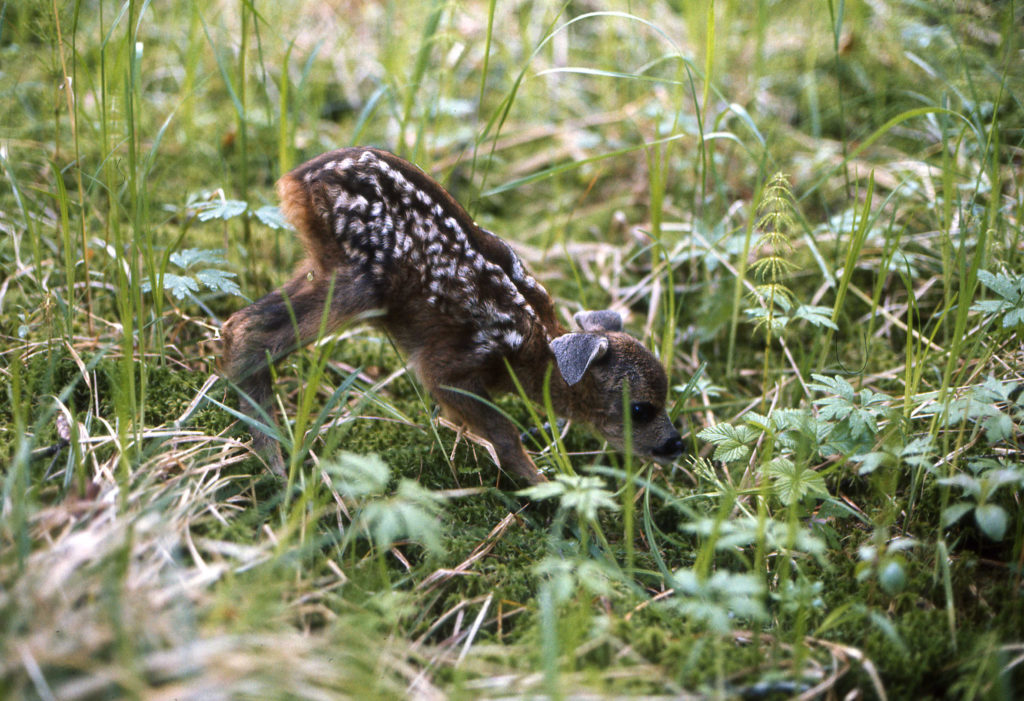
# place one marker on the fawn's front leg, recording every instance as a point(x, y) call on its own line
point(468, 402)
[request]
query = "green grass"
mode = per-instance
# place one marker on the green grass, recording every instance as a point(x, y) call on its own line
point(844, 344)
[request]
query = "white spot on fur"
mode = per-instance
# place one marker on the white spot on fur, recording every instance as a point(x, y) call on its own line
point(512, 339)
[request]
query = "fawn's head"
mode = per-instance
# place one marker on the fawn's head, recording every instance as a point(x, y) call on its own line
point(602, 364)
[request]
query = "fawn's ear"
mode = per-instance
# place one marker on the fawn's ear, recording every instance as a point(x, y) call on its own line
point(576, 352)
point(596, 322)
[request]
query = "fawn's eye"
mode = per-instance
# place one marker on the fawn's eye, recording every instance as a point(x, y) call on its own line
point(642, 412)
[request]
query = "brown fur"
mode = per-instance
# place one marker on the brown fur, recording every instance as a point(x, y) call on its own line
point(384, 239)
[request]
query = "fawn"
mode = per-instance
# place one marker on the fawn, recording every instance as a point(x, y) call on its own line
point(385, 241)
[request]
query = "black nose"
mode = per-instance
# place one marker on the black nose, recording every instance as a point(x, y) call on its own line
point(670, 449)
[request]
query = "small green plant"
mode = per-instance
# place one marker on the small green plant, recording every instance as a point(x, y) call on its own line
point(884, 560)
point(792, 482)
point(796, 435)
point(207, 208)
point(566, 576)
point(776, 222)
point(986, 477)
point(732, 443)
point(579, 494)
point(189, 281)
point(854, 415)
point(718, 600)
point(1009, 307)
point(995, 407)
point(744, 531)
point(412, 513)
point(995, 411)
point(775, 305)
point(917, 453)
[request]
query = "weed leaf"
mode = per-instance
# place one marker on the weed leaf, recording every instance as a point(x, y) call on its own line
point(792, 483)
point(412, 513)
point(358, 476)
point(178, 285)
point(188, 257)
point(730, 441)
point(992, 520)
point(271, 216)
point(817, 316)
point(218, 281)
point(221, 209)
point(954, 512)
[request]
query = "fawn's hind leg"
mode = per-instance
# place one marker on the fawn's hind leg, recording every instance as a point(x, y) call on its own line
point(283, 321)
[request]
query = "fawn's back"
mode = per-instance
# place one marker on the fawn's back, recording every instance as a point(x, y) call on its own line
point(427, 264)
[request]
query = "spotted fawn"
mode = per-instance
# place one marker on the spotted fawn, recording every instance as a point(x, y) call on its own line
point(387, 243)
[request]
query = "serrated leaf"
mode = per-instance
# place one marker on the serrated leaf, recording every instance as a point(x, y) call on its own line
point(188, 257)
point(817, 316)
point(542, 491)
point(412, 513)
point(582, 494)
point(725, 432)
point(836, 385)
point(1005, 287)
point(792, 483)
point(869, 399)
point(271, 216)
point(1013, 318)
point(862, 422)
point(730, 441)
point(1011, 290)
point(993, 390)
point(998, 428)
point(735, 453)
point(834, 408)
point(587, 503)
point(968, 407)
point(356, 476)
point(992, 519)
point(221, 209)
point(795, 423)
point(219, 281)
point(989, 306)
point(180, 286)
point(759, 422)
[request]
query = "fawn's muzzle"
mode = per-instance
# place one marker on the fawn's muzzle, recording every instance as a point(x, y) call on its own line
point(670, 449)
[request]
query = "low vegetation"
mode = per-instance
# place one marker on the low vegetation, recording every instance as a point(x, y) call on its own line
point(812, 211)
